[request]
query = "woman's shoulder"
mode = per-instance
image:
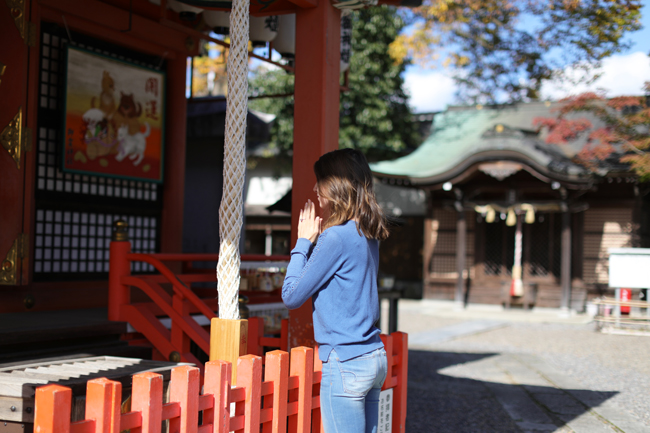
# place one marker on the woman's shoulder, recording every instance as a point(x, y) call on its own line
point(345, 233)
point(341, 229)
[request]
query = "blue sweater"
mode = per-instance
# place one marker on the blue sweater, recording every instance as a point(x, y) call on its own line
point(339, 273)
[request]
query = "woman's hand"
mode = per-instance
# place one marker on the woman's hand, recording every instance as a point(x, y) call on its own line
point(309, 226)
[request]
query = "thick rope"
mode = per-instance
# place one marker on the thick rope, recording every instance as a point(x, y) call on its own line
point(230, 211)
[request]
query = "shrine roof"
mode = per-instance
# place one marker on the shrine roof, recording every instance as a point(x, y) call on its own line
point(464, 136)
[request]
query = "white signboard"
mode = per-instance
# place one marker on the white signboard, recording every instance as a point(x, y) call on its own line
point(385, 411)
point(629, 268)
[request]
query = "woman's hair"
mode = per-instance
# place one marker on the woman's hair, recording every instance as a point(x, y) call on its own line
point(345, 180)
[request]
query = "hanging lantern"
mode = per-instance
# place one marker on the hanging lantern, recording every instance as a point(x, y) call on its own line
point(346, 39)
point(185, 12)
point(217, 20)
point(285, 41)
point(263, 30)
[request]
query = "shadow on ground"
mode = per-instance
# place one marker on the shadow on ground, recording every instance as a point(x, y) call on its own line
point(442, 403)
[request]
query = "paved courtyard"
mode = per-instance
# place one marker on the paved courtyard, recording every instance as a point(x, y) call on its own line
point(485, 369)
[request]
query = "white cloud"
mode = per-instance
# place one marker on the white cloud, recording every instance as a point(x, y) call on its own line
point(621, 75)
point(429, 91)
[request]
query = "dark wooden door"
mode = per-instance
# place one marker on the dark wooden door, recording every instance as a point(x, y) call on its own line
point(16, 35)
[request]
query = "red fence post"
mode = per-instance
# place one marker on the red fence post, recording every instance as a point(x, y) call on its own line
point(316, 418)
point(52, 409)
point(118, 266)
point(103, 401)
point(302, 365)
point(284, 335)
point(147, 398)
point(255, 331)
point(277, 371)
point(400, 342)
point(185, 391)
point(249, 376)
point(217, 383)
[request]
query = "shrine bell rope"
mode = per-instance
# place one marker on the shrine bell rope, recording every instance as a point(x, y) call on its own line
point(230, 211)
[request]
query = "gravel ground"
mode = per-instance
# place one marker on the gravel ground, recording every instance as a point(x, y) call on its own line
point(618, 366)
point(601, 362)
point(443, 403)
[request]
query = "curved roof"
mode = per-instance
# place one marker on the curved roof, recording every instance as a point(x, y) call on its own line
point(463, 136)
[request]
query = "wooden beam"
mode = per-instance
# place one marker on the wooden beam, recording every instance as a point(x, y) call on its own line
point(305, 3)
point(228, 341)
point(110, 21)
point(198, 35)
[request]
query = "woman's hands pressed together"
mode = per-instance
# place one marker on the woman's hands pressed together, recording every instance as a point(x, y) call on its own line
point(309, 226)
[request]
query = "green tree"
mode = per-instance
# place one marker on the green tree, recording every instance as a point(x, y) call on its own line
point(279, 84)
point(375, 116)
point(503, 50)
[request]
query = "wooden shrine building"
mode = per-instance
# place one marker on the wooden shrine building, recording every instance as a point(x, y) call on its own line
point(488, 170)
point(111, 76)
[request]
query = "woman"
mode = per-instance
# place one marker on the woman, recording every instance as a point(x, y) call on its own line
point(335, 264)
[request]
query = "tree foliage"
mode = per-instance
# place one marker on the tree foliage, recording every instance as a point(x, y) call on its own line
point(624, 136)
point(503, 50)
point(209, 71)
point(375, 116)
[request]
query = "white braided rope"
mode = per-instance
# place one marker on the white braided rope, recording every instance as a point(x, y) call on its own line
point(230, 211)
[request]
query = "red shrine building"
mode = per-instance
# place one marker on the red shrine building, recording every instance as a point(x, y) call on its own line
point(93, 129)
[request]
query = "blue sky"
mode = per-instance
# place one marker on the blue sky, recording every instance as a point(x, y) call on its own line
point(624, 73)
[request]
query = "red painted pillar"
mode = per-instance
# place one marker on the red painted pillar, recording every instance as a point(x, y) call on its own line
point(174, 180)
point(316, 122)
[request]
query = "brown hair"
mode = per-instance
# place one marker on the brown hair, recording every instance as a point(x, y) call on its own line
point(345, 180)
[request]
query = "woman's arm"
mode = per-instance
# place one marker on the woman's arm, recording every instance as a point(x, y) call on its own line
point(307, 274)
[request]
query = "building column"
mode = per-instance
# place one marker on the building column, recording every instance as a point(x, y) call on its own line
point(565, 270)
point(461, 251)
point(316, 122)
point(171, 239)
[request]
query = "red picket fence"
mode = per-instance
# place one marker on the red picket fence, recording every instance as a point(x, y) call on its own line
point(285, 400)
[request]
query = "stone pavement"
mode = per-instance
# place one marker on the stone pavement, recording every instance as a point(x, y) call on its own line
point(486, 369)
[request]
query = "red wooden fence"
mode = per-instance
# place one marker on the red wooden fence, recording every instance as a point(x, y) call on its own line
point(285, 400)
point(177, 303)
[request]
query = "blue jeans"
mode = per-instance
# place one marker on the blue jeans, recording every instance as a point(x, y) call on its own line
point(349, 392)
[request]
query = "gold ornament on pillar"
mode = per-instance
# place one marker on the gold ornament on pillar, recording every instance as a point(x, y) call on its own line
point(15, 139)
point(3, 67)
point(25, 28)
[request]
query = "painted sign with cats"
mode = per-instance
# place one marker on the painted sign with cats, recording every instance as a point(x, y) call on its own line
point(113, 118)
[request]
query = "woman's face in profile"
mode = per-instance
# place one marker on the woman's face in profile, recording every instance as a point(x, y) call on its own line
point(323, 203)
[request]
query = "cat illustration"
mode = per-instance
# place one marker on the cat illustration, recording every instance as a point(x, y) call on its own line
point(99, 141)
point(132, 145)
point(106, 98)
point(128, 113)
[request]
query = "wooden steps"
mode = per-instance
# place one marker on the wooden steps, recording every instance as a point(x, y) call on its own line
point(55, 334)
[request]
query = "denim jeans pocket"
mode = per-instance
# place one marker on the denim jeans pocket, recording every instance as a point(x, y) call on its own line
point(358, 375)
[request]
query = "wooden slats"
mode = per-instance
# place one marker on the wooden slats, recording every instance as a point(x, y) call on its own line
point(290, 390)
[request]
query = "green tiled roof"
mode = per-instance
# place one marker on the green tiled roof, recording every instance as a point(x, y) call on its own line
point(462, 136)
